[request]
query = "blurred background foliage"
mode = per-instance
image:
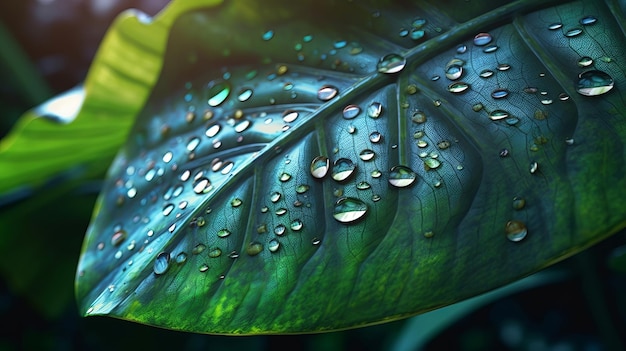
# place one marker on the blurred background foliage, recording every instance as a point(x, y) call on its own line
point(46, 47)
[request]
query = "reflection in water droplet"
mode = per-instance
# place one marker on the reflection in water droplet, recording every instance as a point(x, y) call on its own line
point(343, 168)
point(367, 155)
point(222, 233)
point(497, 115)
point(327, 92)
point(349, 210)
point(375, 109)
point(515, 230)
point(486, 73)
point(401, 176)
point(162, 263)
point(244, 94)
point(555, 26)
point(391, 63)
point(273, 245)
point(458, 87)
point(296, 225)
point(573, 32)
point(319, 167)
point(218, 93)
point(454, 71)
point(500, 93)
point(351, 111)
point(376, 137)
point(588, 20)
point(594, 83)
point(181, 258)
point(585, 61)
point(482, 39)
point(275, 196)
point(280, 230)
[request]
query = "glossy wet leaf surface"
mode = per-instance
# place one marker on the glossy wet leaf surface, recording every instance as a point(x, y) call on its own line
point(331, 165)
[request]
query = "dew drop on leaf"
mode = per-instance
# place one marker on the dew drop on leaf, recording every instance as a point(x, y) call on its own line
point(588, 20)
point(594, 83)
point(515, 230)
point(500, 93)
point(482, 39)
point(458, 87)
point(268, 35)
point(585, 61)
point(497, 115)
point(198, 249)
point(161, 263)
point(401, 176)
point(343, 168)
point(486, 73)
point(375, 109)
point(319, 167)
point(555, 26)
point(351, 111)
point(181, 258)
point(376, 137)
point(391, 63)
point(244, 94)
point(349, 210)
point(574, 32)
point(327, 92)
point(215, 253)
point(273, 245)
point(280, 230)
point(223, 233)
point(296, 225)
point(213, 130)
point(218, 93)
point(367, 155)
point(202, 186)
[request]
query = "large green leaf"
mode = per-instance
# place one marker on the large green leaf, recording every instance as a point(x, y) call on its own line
point(454, 165)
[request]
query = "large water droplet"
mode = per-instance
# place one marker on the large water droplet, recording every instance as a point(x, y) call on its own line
point(515, 230)
point(391, 63)
point(218, 93)
point(594, 83)
point(349, 210)
point(343, 168)
point(401, 176)
point(375, 109)
point(454, 71)
point(320, 166)
point(351, 111)
point(482, 39)
point(327, 92)
point(162, 263)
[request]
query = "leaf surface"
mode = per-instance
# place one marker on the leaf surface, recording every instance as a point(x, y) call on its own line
point(311, 166)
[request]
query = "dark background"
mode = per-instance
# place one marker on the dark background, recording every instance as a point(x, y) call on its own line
point(47, 47)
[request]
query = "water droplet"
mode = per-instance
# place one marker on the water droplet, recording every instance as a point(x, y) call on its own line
point(417, 34)
point(515, 230)
point(594, 83)
point(290, 116)
point(218, 93)
point(162, 263)
point(518, 203)
point(454, 71)
point(458, 87)
point(275, 197)
point(555, 26)
point(563, 97)
point(367, 155)
point(444, 144)
point(363, 185)
point(213, 130)
point(588, 20)
point(281, 211)
point(351, 111)
point(491, 48)
point(273, 245)
point(391, 63)
point(167, 157)
point(431, 163)
point(349, 210)
point(302, 188)
point(343, 168)
point(573, 32)
point(222, 233)
point(504, 153)
point(296, 225)
point(118, 237)
point(497, 115)
point(327, 92)
point(486, 73)
point(376, 137)
point(376, 173)
point(242, 126)
point(244, 94)
point(319, 167)
point(401, 176)
point(254, 248)
point(193, 143)
point(461, 49)
point(280, 230)
point(202, 186)
point(268, 35)
point(215, 253)
point(181, 258)
point(422, 144)
point(236, 202)
point(482, 39)
point(375, 109)
point(500, 93)
point(168, 209)
point(477, 107)
point(534, 167)
point(198, 249)
point(585, 61)
point(203, 268)
point(284, 177)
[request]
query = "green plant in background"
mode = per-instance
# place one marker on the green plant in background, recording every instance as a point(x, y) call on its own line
point(332, 165)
